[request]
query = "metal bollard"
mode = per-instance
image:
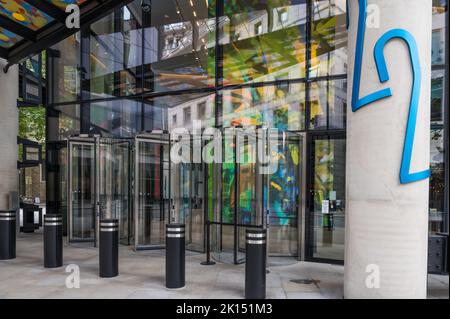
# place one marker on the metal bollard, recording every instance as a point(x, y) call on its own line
point(109, 248)
point(53, 241)
point(255, 264)
point(175, 256)
point(7, 234)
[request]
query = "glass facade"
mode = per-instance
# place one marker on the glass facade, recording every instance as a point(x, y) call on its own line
point(235, 64)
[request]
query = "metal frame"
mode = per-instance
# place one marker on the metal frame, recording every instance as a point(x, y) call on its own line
point(81, 141)
point(148, 138)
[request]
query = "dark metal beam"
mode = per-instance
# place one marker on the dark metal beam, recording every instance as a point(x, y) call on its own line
point(3, 53)
point(49, 9)
point(18, 29)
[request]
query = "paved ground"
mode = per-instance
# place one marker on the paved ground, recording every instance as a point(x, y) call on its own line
point(142, 276)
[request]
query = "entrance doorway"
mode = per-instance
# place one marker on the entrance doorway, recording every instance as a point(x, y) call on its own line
point(244, 197)
point(167, 191)
point(98, 186)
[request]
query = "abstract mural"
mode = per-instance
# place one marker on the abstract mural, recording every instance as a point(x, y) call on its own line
point(24, 14)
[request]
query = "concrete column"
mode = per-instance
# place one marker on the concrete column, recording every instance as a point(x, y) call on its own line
point(9, 126)
point(387, 221)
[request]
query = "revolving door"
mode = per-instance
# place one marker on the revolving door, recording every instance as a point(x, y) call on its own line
point(255, 191)
point(98, 186)
point(166, 191)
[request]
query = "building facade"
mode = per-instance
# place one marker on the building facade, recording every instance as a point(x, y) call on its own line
point(228, 64)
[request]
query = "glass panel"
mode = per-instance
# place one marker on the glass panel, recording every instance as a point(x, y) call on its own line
point(25, 14)
point(439, 30)
point(179, 45)
point(328, 104)
point(152, 192)
point(263, 41)
point(114, 192)
point(438, 216)
point(327, 213)
point(179, 111)
point(118, 118)
point(116, 53)
point(283, 193)
point(69, 120)
point(65, 70)
point(328, 38)
point(437, 97)
point(82, 181)
point(280, 106)
point(8, 39)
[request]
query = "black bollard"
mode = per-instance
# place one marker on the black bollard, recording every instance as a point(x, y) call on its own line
point(255, 264)
point(175, 256)
point(53, 241)
point(7, 234)
point(109, 248)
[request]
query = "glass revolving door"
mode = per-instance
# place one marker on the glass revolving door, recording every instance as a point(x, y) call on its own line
point(98, 186)
point(259, 185)
point(151, 189)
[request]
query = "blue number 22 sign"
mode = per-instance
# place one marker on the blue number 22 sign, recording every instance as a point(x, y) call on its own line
point(358, 102)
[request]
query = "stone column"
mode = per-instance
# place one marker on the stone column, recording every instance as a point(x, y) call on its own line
point(387, 221)
point(9, 126)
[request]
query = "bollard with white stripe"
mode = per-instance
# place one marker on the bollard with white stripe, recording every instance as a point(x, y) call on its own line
point(7, 234)
point(109, 248)
point(255, 264)
point(175, 256)
point(53, 241)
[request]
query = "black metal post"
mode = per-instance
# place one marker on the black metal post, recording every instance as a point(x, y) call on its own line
point(175, 256)
point(208, 261)
point(109, 248)
point(53, 241)
point(7, 234)
point(255, 264)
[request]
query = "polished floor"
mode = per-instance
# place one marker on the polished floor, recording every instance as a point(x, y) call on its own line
point(142, 276)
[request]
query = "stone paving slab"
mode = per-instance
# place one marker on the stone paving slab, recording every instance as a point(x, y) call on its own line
point(142, 277)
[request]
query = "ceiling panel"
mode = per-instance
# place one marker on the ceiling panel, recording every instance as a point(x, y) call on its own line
point(23, 13)
point(8, 39)
point(63, 3)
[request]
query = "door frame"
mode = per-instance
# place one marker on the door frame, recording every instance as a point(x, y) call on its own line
point(91, 141)
point(140, 138)
point(308, 232)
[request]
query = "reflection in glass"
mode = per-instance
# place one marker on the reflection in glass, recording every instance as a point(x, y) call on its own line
point(327, 214)
point(116, 53)
point(179, 111)
point(439, 30)
point(263, 41)
point(65, 65)
point(438, 216)
point(328, 104)
point(118, 118)
point(437, 97)
point(281, 106)
point(179, 45)
point(328, 38)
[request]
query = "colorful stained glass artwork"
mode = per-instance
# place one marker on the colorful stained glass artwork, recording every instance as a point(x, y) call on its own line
point(24, 14)
point(8, 39)
point(62, 4)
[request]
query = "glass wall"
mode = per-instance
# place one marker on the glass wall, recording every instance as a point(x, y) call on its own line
point(234, 63)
